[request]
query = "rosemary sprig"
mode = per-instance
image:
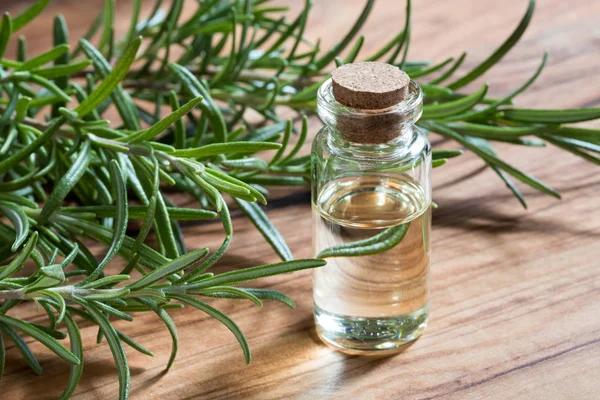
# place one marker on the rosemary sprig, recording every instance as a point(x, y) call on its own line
point(56, 147)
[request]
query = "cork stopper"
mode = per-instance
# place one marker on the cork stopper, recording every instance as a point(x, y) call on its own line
point(374, 91)
point(369, 85)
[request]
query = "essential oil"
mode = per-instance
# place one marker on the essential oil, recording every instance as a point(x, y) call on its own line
point(371, 173)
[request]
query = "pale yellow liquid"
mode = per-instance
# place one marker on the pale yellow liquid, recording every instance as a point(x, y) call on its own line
point(392, 285)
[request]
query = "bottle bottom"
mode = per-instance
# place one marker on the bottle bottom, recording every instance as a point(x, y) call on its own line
point(370, 336)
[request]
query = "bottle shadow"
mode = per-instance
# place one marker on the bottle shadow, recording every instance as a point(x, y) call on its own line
point(477, 215)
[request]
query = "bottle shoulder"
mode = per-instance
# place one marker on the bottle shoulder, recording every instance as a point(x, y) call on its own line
point(414, 146)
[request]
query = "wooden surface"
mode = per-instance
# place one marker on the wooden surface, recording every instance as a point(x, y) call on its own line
point(515, 294)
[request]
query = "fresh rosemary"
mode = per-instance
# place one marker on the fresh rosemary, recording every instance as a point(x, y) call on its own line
point(67, 174)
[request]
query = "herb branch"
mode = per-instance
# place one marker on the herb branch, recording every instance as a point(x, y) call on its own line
point(68, 176)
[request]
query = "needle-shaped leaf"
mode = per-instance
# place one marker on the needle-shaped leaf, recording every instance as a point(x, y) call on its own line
point(341, 45)
point(48, 307)
point(499, 53)
point(303, 19)
point(121, 98)
point(22, 108)
point(41, 138)
point(182, 262)
point(44, 58)
point(266, 134)
point(59, 71)
point(111, 81)
point(106, 294)
point(585, 134)
point(106, 281)
point(299, 143)
point(162, 222)
point(51, 86)
point(510, 185)
point(493, 160)
point(211, 193)
point(450, 70)
point(578, 143)
point(23, 348)
point(551, 116)
point(387, 47)
point(438, 162)
point(120, 189)
point(19, 220)
point(227, 187)
point(16, 199)
point(115, 345)
point(434, 91)
point(567, 144)
point(164, 316)
point(263, 294)
point(41, 337)
point(66, 183)
point(506, 100)
point(266, 228)
point(438, 154)
point(179, 125)
point(109, 310)
point(219, 316)
point(109, 15)
point(446, 109)
point(226, 148)
point(209, 262)
point(133, 344)
point(240, 293)
point(253, 193)
point(59, 300)
point(246, 164)
point(135, 14)
point(276, 180)
point(21, 49)
point(286, 138)
point(150, 133)
point(77, 350)
point(426, 71)
point(492, 131)
point(52, 332)
point(404, 42)
point(17, 263)
point(28, 15)
point(140, 212)
point(70, 257)
point(235, 277)
point(379, 243)
point(197, 89)
point(5, 30)
point(164, 229)
point(355, 50)
point(61, 68)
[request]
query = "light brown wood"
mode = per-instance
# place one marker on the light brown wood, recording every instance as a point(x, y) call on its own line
point(515, 294)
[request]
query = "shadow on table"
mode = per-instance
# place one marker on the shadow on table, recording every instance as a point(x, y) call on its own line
point(479, 215)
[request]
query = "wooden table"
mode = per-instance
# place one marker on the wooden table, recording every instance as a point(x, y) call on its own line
point(515, 294)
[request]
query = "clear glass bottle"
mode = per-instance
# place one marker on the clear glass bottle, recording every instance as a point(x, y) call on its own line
point(371, 175)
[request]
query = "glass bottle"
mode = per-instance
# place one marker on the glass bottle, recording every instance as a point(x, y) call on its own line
point(371, 181)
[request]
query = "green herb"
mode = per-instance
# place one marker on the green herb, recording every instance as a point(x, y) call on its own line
point(68, 176)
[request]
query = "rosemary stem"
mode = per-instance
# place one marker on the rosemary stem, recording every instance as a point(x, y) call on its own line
point(12, 294)
point(247, 75)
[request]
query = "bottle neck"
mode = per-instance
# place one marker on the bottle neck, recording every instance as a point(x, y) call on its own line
point(401, 141)
point(369, 131)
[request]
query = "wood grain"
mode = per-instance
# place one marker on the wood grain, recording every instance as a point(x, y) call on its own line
point(515, 293)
